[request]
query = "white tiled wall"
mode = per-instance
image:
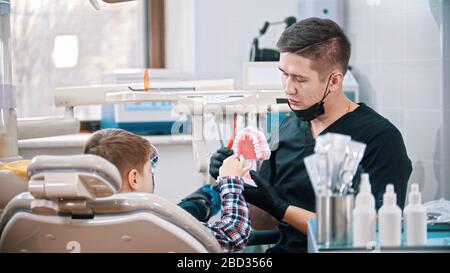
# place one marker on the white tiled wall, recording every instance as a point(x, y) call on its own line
point(224, 30)
point(398, 58)
point(401, 60)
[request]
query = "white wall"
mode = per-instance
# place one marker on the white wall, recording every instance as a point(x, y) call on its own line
point(225, 29)
point(399, 59)
point(222, 31)
point(180, 36)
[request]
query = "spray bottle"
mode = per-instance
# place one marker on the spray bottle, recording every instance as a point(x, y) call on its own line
point(390, 219)
point(364, 215)
point(415, 218)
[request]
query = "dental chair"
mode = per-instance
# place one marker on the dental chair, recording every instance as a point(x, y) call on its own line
point(10, 186)
point(72, 205)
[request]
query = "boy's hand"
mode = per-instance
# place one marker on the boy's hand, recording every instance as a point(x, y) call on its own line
point(233, 167)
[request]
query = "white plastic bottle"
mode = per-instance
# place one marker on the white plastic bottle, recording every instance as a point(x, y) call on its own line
point(364, 215)
point(415, 219)
point(390, 219)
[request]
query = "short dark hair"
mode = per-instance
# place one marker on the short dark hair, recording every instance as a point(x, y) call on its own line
point(321, 40)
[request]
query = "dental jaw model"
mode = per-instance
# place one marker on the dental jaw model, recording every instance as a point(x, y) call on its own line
point(252, 145)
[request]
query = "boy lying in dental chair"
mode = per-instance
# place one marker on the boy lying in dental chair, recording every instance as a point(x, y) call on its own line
point(136, 160)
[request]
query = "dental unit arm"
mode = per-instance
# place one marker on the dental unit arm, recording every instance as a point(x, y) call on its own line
point(250, 103)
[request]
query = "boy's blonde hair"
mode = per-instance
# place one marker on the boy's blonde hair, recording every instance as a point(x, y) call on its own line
point(125, 150)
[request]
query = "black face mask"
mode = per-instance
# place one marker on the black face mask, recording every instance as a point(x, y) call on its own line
point(315, 110)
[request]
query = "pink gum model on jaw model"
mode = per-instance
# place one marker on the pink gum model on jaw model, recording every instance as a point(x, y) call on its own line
point(252, 144)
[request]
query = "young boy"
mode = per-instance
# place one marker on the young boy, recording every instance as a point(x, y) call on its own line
point(136, 159)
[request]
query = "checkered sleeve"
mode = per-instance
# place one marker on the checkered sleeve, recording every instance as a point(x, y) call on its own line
point(233, 229)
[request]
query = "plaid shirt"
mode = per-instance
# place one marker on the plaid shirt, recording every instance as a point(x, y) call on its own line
point(233, 229)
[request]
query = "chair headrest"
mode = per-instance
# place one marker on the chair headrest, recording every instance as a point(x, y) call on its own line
point(83, 176)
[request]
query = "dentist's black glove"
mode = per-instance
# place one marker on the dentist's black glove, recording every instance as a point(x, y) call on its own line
point(265, 197)
point(217, 160)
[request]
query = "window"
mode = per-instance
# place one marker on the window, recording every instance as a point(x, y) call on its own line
point(65, 43)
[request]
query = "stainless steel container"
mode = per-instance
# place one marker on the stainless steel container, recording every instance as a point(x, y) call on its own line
point(334, 219)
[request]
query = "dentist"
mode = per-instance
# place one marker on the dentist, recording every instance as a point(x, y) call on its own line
point(314, 57)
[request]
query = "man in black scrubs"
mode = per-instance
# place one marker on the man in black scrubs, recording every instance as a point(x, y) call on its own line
point(314, 56)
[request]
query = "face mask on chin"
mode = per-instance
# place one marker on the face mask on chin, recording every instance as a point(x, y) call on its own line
point(315, 110)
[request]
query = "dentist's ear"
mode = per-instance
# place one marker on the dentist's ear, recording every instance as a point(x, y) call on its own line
point(132, 180)
point(336, 81)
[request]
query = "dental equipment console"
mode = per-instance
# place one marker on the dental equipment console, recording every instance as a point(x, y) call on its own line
point(249, 103)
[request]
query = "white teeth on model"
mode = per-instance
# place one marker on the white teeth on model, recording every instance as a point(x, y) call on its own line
point(257, 147)
point(255, 137)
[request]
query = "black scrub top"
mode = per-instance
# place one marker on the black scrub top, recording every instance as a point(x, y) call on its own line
point(385, 159)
